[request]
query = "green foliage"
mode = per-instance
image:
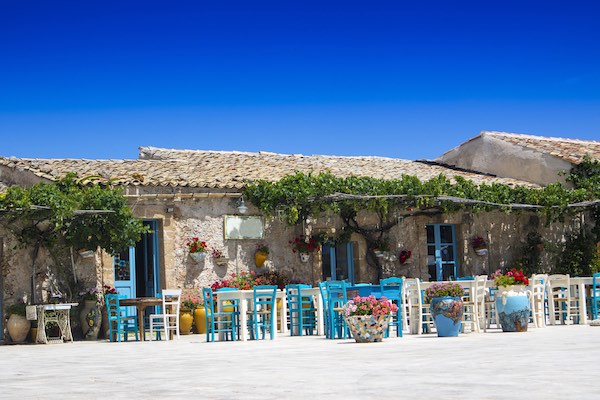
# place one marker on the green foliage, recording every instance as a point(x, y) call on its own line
point(57, 225)
point(17, 308)
point(300, 195)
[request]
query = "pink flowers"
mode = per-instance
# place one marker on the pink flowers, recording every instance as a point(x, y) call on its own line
point(369, 306)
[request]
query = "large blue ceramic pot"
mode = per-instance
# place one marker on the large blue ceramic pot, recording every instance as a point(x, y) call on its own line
point(512, 308)
point(447, 313)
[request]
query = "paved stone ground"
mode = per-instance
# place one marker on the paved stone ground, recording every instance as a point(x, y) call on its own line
point(560, 362)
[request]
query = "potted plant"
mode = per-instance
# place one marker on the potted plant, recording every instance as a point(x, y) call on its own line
point(479, 245)
point(512, 302)
point(18, 326)
point(219, 257)
point(261, 254)
point(90, 316)
point(446, 307)
point(197, 249)
point(190, 302)
point(404, 256)
point(304, 246)
point(368, 317)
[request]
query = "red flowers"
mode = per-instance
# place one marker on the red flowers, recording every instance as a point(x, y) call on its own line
point(404, 255)
point(518, 275)
point(196, 246)
point(300, 245)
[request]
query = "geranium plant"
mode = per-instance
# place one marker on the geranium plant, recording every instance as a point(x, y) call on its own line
point(262, 248)
point(90, 294)
point(369, 306)
point(404, 256)
point(195, 245)
point(443, 289)
point(512, 277)
point(478, 243)
point(301, 245)
point(243, 281)
point(216, 253)
point(190, 301)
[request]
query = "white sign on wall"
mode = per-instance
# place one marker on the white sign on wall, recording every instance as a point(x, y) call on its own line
point(243, 227)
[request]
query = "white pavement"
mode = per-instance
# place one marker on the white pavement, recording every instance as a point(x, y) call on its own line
point(561, 362)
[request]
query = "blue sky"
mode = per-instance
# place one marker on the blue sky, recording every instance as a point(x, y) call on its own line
point(97, 79)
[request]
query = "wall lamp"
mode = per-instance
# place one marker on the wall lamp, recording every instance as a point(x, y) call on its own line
point(242, 208)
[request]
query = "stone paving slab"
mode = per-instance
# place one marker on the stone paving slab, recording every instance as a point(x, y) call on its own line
point(561, 362)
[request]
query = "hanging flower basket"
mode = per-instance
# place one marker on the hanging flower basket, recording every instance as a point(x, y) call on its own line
point(481, 252)
point(221, 261)
point(304, 257)
point(198, 256)
point(86, 253)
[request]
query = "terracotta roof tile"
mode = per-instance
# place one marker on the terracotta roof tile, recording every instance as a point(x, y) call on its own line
point(231, 169)
point(571, 150)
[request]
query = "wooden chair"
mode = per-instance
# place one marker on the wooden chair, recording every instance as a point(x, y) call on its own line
point(301, 310)
point(119, 323)
point(262, 316)
point(219, 322)
point(391, 288)
point(168, 320)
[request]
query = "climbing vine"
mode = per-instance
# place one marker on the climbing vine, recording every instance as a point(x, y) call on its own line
point(298, 196)
point(68, 214)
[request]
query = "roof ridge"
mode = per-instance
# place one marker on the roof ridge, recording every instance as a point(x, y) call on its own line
point(537, 137)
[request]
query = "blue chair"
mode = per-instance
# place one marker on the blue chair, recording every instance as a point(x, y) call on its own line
point(336, 298)
point(119, 323)
point(595, 295)
point(325, 302)
point(391, 288)
point(262, 316)
point(231, 305)
point(465, 278)
point(218, 322)
point(301, 310)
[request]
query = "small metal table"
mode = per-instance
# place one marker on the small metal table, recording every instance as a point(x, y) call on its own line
point(54, 313)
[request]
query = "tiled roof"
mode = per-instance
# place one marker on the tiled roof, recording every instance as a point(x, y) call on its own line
point(571, 150)
point(230, 169)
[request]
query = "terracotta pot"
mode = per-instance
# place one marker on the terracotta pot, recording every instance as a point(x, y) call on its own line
point(18, 328)
point(260, 257)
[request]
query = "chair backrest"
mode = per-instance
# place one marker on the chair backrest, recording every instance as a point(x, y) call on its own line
point(336, 293)
point(596, 286)
point(414, 296)
point(559, 286)
point(392, 288)
point(479, 290)
point(264, 297)
point(538, 283)
point(171, 300)
point(113, 308)
point(208, 297)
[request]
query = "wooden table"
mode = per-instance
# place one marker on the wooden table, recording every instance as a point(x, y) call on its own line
point(141, 303)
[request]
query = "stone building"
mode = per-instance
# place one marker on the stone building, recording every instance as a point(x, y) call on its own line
point(182, 194)
point(536, 159)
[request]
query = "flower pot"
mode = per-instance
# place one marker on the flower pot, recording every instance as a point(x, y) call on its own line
point(304, 257)
point(367, 328)
point(18, 327)
point(512, 308)
point(198, 256)
point(200, 319)
point(221, 261)
point(90, 318)
point(260, 257)
point(447, 313)
point(186, 319)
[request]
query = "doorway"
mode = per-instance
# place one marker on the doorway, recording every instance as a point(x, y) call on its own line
point(441, 252)
point(137, 269)
point(338, 262)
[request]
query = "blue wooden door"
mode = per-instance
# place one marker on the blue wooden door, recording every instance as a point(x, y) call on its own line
point(124, 264)
point(338, 262)
point(441, 252)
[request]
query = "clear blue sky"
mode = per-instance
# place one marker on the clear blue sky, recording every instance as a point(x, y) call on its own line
point(407, 79)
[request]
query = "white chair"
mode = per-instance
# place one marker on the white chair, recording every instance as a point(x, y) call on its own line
point(474, 303)
point(419, 313)
point(168, 320)
point(538, 283)
point(560, 302)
